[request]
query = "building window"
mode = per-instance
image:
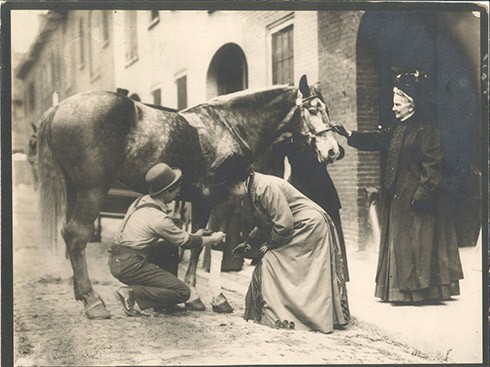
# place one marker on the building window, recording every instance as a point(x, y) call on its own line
point(130, 26)
point(44, 79)
point(63, 61)
point(54, 70)
point(105, 27)
point(283, 56)
point(157, 96)
point(94, 43)
point(81, 37)
point(182, 92)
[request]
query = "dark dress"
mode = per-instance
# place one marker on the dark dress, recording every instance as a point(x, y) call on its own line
point(418, 256)
point(311, 177)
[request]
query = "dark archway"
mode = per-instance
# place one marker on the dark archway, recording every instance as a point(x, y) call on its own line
point(421, 40)
point(227, 71)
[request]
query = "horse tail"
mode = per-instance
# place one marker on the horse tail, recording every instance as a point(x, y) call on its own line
point(52, 184)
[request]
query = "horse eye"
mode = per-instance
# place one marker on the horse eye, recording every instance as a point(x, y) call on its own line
point(312, 111)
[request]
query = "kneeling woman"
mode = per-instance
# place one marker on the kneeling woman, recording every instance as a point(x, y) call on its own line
point(299, 282)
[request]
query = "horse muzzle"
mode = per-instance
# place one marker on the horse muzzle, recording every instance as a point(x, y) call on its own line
point(331, 156)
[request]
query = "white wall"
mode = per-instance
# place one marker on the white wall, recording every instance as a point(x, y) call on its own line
point(184, 43)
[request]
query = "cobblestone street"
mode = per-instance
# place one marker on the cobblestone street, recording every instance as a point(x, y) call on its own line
point(50, 328)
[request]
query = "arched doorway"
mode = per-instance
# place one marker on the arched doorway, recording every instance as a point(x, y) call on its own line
point(420, 40)
point(227, 71)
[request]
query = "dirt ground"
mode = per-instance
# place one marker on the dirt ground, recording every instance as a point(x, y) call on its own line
point(50, 328)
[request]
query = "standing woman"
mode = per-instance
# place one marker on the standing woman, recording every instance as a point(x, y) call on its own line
point(418, 257)
point(299, 283)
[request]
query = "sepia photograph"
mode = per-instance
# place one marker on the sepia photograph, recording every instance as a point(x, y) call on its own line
point(244, 183)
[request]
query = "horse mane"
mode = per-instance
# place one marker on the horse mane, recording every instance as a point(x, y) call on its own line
point(246, 115)
point(247, 97)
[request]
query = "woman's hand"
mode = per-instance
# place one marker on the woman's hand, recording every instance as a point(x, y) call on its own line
point(341, 130)
point(264, 248)
point(240, 249)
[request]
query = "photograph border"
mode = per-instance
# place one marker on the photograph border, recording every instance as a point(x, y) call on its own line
point(7, 325)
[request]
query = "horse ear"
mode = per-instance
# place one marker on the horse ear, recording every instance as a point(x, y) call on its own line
point(303, 87)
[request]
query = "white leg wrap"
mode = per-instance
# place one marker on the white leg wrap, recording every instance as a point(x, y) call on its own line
point(194, 294)
point(215, 272)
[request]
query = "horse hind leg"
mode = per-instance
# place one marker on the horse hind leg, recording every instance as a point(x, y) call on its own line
point(76, 233)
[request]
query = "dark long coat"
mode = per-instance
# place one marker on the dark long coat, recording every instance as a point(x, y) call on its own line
point(424, 239)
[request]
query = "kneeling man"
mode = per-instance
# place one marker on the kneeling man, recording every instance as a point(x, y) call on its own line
point(145, 252)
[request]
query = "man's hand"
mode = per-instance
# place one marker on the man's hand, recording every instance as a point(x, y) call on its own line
point(213, 238)
point(203, 232)
point(240, 249)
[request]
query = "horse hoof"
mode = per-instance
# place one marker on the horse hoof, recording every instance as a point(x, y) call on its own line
point(195, 305)
point(220, 304)
point(97, 311)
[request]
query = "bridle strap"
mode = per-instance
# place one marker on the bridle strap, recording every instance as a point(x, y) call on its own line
point(312, 131)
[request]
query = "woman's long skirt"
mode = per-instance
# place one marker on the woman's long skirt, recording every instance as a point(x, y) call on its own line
point(303, 281)
point(388, 288)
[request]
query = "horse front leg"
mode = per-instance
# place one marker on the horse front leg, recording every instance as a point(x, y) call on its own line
point(218, 220)
point(194, 302)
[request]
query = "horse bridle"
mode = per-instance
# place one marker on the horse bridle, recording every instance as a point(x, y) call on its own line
point(312, 133)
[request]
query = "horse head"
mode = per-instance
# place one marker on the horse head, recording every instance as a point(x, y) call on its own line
point(314, 125)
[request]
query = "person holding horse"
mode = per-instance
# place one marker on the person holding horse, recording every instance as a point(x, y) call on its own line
point(145, 252)
point(418, 257)
point(299, 282)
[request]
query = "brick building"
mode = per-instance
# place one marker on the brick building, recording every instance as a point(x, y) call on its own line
point(72, 53)
point(182, 58)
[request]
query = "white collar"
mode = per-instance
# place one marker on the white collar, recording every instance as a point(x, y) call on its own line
point(407, 116)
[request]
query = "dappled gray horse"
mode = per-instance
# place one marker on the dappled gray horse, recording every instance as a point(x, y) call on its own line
point(90, 141)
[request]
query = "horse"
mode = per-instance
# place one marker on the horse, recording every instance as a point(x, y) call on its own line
point(91, 140)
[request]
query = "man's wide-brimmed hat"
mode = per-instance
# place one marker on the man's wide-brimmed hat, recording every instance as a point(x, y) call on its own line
point(162, 177)
point(232, 169)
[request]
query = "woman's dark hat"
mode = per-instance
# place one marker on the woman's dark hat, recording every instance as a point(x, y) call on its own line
point(414, 83)
point(161, 177)
point(233, 168)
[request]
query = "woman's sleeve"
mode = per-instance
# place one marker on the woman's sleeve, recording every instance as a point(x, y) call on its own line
point(257, 237)
point(431, 165)
point(275, 204)
point(371, 140)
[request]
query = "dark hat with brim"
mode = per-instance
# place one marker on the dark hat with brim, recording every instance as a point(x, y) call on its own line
point(232, 169)
point(414, 84)
point(162, 177)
